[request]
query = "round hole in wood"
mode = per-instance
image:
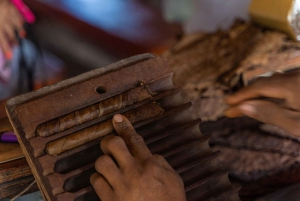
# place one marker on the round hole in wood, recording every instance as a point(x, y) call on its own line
point(101, 90)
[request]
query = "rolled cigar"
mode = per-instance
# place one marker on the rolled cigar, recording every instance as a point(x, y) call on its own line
point(94, 111)
point(104, 128)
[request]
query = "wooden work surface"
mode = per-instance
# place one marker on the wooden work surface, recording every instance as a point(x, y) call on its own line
point(64, 175)
point(15, 174)
point(8, 151)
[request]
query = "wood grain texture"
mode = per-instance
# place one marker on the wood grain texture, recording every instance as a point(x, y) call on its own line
point(10, 151)
point(94, 111)
point(81, 87)
point(13, 170)
point(12, 188)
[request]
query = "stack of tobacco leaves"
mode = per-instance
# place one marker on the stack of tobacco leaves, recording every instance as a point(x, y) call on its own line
point(261, 157)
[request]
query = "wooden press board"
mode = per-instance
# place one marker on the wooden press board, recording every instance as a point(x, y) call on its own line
point(173, 134)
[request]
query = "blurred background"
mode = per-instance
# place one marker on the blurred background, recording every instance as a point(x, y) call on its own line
point(87, 34)
point(75, 36)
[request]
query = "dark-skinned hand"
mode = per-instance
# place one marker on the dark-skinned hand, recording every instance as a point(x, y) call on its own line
point(251, 101)
point(134, 174)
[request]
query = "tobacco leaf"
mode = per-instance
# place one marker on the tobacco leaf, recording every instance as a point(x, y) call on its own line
point(255, 139)
point(225, 61)
point(101, 129)
point(250, 165)
point(274, 130)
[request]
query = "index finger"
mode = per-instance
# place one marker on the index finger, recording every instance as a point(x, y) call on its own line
point(271, 87)
point(135, 143)
point(16, 18)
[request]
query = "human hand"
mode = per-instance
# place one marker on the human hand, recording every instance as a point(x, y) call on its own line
point(11, 21)
point(286, 115)
point(129, 172)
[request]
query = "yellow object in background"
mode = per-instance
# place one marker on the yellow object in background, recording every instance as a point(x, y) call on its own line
point(283, 15)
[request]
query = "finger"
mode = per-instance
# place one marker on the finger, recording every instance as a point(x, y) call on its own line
point(115, 146)
point(108, 168)
point(102, 187)
point(272, 87)
point(135, 142)
point(16, 19)
point(162, 161)
point(233, 112)
point(5, 46)
point(10, 33)
point(17, 22)
point(268, 112)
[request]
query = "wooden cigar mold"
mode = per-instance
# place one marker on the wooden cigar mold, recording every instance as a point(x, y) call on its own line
point(60, 127)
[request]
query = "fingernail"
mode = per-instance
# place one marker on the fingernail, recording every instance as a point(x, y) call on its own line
point(118, 118)
point(248, 109)
point(22, 34)
point(8, 55)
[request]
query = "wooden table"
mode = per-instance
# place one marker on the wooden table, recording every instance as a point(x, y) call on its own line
point(15, 174)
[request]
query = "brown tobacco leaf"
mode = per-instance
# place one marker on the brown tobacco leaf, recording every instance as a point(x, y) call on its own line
point(94, 111)
point(101, 129)
point(255, 139)
point(225, 126)
point(246, 133)
point(250, 165)
point(226, 61)
point(251, 153)
point(201, 63)
point(274, 130)
point(210, 104)
point(273, 53)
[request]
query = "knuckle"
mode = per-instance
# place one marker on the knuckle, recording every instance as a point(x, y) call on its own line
point(159, 158)
point(102, 161)
point(152, 167)
point(103, 164)
point(115, 141)
point(123, 127)
point(98, 181)
point(136, 139)
point(111, 142)
point(95, 179)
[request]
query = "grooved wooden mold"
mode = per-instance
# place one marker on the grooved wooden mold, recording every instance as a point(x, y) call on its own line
point(171, 133)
